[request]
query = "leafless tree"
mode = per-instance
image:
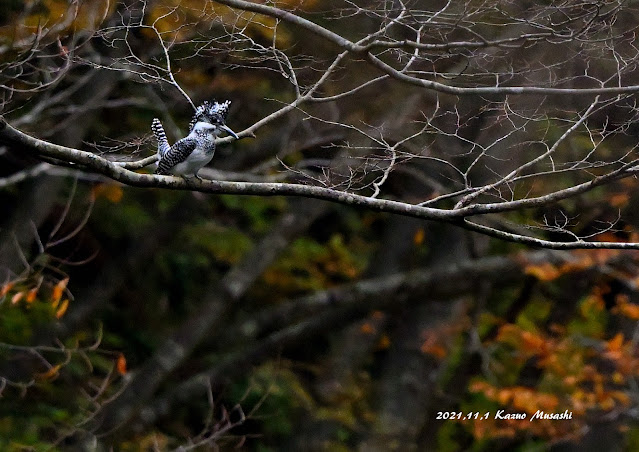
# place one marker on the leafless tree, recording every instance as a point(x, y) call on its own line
point(491, 107)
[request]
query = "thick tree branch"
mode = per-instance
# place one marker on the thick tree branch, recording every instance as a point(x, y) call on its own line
point(119, 172)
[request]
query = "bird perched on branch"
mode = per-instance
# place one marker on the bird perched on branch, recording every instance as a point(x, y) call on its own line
point(188, 155)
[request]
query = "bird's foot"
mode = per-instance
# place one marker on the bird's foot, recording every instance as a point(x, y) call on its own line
point(191, 178)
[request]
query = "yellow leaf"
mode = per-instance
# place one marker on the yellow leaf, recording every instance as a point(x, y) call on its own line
point(419, 236)
point(58, 290)
point(62, 309)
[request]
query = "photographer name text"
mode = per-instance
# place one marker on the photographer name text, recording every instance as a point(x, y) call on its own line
point(503, 414)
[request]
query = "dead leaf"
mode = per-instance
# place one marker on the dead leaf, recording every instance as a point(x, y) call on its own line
point(120, 364)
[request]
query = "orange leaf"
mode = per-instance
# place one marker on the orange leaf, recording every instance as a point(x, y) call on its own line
point(120, 365)
point(504, 396)
point(622, 298)
point(5, 289)
point(619, 199)
point(62, 309)
point(419, 236)
point(433, 348)
point(615, 343)
point(31, 296)
point(49, 374)
point(543, 272)
point(58, 290)
point(621, 397)
point(367, 328)
point(630, 310)
point(625, 308)
point(111, 192)
point(570, 380)
point(384, 342)
point(378, 315)
point(532, 342)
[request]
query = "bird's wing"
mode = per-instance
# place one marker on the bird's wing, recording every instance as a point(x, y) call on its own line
point(177, 154)
point(160, 136)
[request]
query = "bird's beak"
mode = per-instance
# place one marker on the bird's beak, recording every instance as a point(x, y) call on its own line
point(228, 129)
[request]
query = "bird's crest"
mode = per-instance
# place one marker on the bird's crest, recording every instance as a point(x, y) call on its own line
point(211, 112)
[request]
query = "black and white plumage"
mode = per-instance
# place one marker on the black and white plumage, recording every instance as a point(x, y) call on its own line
point(187, 156)
point(160, 136)
point(214, 113)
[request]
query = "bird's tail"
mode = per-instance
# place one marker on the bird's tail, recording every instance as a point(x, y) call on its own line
point(160, 136)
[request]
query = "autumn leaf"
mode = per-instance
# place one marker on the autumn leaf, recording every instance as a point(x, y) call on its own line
point(625, 308)
point(419, 236)
point(49, 374)
point(583, 259)
point(509, 334)
point(17, 297)
point(6, 288)
point(384, 342)
point(62, 309)
point(630, 310)
point(543, 272)
point(31, 295)
point(58, 290)
point(607, 403)
point(120, 364)
point(378, 315)
point(504, 397)
point(621, 397)
point(367, 328)
point(532, 342)
point(112, 192)
point(431, 346)
point(619, 199)
point(614, 350)
point(615, 343)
